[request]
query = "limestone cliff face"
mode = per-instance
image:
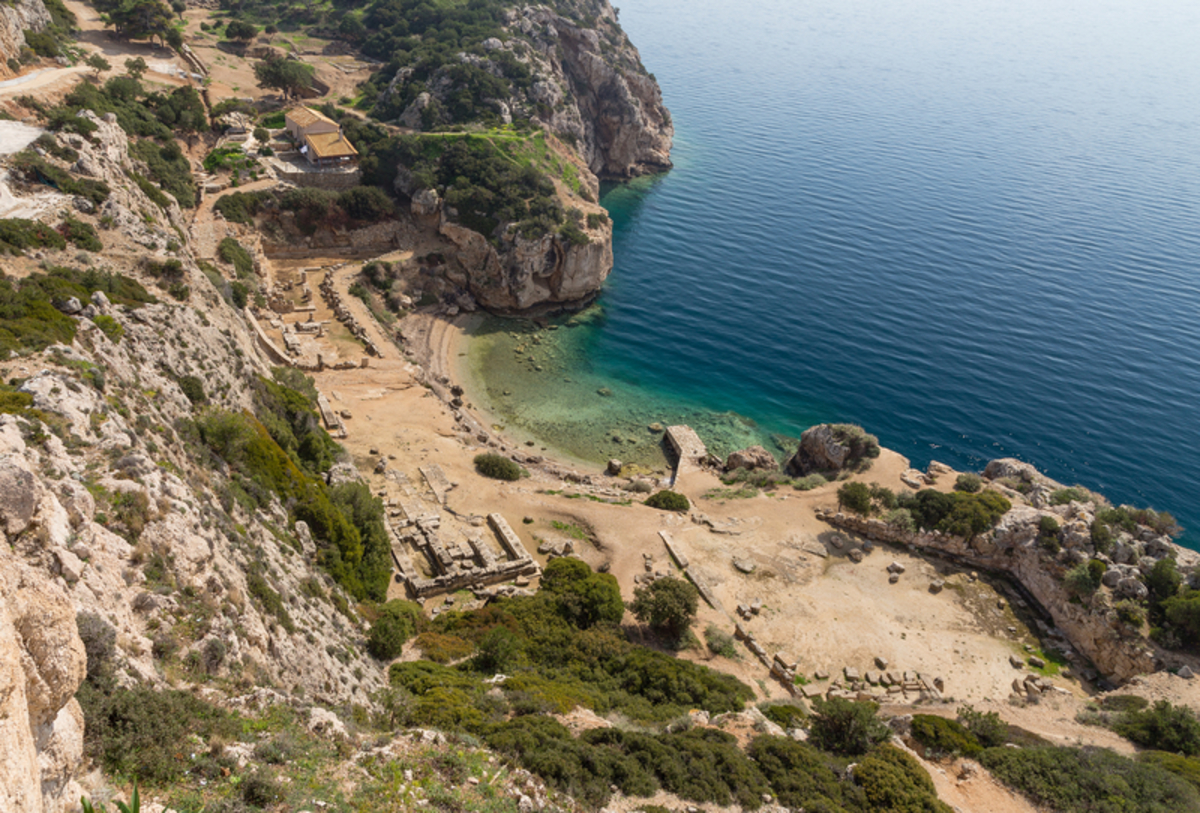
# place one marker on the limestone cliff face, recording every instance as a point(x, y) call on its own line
point(42, 663)
point(548, 272)
point(15, 20)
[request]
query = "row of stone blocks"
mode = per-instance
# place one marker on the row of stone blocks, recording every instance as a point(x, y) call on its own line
point(343, 315)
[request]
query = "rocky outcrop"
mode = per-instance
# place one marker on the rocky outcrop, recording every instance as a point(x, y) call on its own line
point(830, 448)
point(15, 19)
point(818, 451)
point(548, 272)
point(626, 130)
point(755, 457)
point(588, 87)
point(42, 664)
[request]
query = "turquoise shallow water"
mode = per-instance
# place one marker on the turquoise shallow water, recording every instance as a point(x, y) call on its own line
point(972, 228)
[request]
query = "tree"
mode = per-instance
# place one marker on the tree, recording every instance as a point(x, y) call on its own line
point(288, 76)
point(584, 598)
point(98, 63)
point(396, 623)
point(667, 605)
point(136, 67)
point(141, 19)
point(239, 30)
point(846, 727)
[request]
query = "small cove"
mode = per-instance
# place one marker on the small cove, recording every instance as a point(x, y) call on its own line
point(973, 232)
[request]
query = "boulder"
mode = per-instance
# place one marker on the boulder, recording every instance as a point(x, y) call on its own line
point(818, 451)
point(754, 458)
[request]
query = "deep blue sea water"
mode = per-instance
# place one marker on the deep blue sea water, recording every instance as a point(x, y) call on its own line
point(970, 227)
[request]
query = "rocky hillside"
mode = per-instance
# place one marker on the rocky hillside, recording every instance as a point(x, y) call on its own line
point(15, 19)
point(119, 515)
point(556, 99)
point(569, 67)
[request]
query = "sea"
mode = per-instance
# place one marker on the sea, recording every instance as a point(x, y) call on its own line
point(972, 228)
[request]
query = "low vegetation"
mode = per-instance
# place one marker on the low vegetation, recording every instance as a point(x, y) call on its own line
point(313, 208)
point(29, 321)
point(497, 467)
point(667, 500)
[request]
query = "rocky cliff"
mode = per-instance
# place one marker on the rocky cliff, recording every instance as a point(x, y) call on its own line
point(586, 84)
point(1018, 546)
point(15, 19)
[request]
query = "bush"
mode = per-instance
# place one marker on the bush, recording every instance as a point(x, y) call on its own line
point(193, 388)
point(1089, 780)
point(856, 497)
point(137, 732)
point(498, 467)
point(846, 727)
point(667, 605)
point(892, 780)
point(1162, 727)
point(720, 642)
point(785, 715)
point(986, 727)
point(441, 648)
point(110, 327)
point(1131, 613)
point(232, 252)
point(81, 234)
point(1068, 495)
point(1186, 768)
point(969, 483)
point(797, 773)
point(397, 622)
point(1083, 579)
point(17, 235)
point(584, 598)
point(99, 643)
point(942, 737)
point(366, 203)
point(666, 500)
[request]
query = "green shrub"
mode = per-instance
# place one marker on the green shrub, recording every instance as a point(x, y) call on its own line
point(1063, 496)
point(809, 482)
point(969, 483)
point(667, 605)
point(17, 234)
point(720, 642)
point(498, 467)
point(942, 737)
point(441, 648)
point(959, 513)
point(1162, 727)
point(397, 622)
point(584, 598)
point(110, 327)
point(81, 234)
point(232, 252)
point(1130, 612)
point(99, 643)
point(785, 715)
point(846, 727)
point(667, 500)
point(1186, 768)
point(986, 727)
point(1089, 780)
point(855, 497)
point(893, 780)
point(901, 519)
point(1083, 579)
point(137, 732)
point(798, 773)
point(193, 388)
